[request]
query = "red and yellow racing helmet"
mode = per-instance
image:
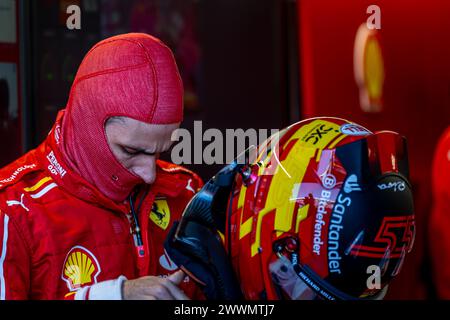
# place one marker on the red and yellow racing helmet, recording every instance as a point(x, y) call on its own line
point(329, 208)
point(324, 210)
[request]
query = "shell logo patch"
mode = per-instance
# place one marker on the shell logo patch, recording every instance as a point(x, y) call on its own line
point(369, 69)
point(80, 268)
point(160, 213)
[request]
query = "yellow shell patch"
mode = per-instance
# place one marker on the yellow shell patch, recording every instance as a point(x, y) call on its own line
point(80, 268)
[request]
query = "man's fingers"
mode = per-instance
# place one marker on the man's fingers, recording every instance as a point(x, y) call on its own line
point(172, 283)
point(176, 277)
point(161, 291)
point(176, 292)
point(155, 288)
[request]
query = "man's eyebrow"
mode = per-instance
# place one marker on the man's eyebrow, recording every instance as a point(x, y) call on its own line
point(145, 151)
point(138, 149)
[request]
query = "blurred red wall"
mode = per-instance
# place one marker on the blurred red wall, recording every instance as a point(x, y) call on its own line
point(10, 129)
point(415, 41)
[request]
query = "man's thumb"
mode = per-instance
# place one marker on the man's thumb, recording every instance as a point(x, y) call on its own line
point(177, 277)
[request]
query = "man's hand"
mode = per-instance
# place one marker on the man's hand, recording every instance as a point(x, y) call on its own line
point(155, 288)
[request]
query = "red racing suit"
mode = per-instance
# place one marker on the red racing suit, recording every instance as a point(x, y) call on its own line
point(60, 237)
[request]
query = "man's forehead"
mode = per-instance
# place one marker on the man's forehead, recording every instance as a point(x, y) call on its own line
point(140, 125)
point(141, 136)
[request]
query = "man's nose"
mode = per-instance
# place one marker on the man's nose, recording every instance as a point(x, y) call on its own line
point(148, 178)
point(146, 173)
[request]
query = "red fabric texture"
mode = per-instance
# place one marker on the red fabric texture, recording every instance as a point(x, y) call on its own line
point(47, 211)
point(132, 75)
point(440, 218)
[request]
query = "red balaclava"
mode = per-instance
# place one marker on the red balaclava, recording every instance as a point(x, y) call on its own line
point(132, 75)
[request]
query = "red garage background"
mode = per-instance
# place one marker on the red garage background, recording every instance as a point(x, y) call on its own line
point(260, 64)
point(10, 77)
point(414, 39)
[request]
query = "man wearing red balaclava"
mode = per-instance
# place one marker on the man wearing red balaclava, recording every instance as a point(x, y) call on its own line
point(85, 215)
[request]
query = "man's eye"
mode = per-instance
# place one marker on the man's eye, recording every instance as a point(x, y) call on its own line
point(130, 152)
point(133, 152)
